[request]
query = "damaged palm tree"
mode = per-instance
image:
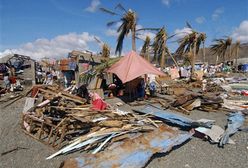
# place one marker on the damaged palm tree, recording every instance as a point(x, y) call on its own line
point(221, 47)
point(190, 45)
point(128, 22)
point(235, 51)
point(145, 49)
point(105, 49)
point(160, 48)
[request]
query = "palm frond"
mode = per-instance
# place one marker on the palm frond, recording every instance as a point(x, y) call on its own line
point(119, 6)
point(188, 25)
point(123, 31)
point(111, 23)
point(148, 29)
point(99, 41)
point(108, 11)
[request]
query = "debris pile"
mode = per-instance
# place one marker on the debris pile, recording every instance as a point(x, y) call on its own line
point(60, 119)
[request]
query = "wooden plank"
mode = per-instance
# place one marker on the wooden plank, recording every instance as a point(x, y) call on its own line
point(41, 130)
point(29, 103)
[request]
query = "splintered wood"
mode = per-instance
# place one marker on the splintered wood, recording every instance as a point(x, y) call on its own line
point(58, 118)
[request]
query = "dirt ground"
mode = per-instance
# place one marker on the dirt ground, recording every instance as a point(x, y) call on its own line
point(196, 153)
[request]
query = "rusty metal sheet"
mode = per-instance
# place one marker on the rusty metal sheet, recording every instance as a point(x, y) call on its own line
point(172, 117)
point(132, 153)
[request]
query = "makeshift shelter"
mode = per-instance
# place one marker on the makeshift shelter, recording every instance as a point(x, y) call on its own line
point(132, 66)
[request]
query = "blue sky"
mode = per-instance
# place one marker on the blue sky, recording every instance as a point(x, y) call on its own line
point(51, 28)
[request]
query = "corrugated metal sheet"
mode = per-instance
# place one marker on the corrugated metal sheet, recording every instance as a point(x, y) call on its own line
point(172, 117)
point(134, 152)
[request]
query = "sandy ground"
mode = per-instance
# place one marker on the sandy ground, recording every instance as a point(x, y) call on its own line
point(196, 153)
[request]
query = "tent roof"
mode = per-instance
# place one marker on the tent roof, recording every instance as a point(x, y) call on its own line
point(131, 66)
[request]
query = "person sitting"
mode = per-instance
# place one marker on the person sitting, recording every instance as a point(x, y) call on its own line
point(83, 92)
point(141, 89)
point(152, 88)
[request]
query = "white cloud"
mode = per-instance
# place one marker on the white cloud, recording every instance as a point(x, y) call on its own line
point(166, 2)
point(56, 47)
point(241, 32)
point(93, 6)
point(180, 33)
point(111, 32)
point(216, 14)
point(200, 20)
point(143, 33)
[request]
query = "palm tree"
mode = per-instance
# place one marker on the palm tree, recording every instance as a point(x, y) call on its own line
point(128, 24)
point(145, 49)
point(189, 46)
point(235, 49)
point(160, 48)
point(105, 49)
point(203, 39)
point(228, 43)
point(220, 48)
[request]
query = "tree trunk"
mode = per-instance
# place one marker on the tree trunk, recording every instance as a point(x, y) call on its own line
point(133, 39)
point(217, 59)
point(204, 53)
point(193, 61)
point(237, 56)
point(173, 59)
point(162, 61)
point(224, 57)
point(147, 55)
point(230, 53)
point(156, 58)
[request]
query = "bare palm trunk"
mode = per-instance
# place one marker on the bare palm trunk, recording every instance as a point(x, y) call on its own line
point(204, 52)
point(173, 59)
point(217, 59)
point(162, 61)
point(237, 56)
point(133, 39)
point(147, 56)
point(224, 57)
point(230, 53)
point(156, 58)
point(193, 61)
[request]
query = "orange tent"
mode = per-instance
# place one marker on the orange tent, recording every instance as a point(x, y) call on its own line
point(132, 66)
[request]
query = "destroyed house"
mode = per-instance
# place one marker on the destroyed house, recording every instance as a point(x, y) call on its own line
point(24, 66)
point(85, 60)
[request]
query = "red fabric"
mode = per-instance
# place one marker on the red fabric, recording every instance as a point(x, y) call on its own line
point(12, 80)
point(99, 104)
point(35, 89)
point(132, 66)
point(244, 92)
point(86, 66)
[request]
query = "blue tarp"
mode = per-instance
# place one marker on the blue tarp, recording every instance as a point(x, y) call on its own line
point(244, 68)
